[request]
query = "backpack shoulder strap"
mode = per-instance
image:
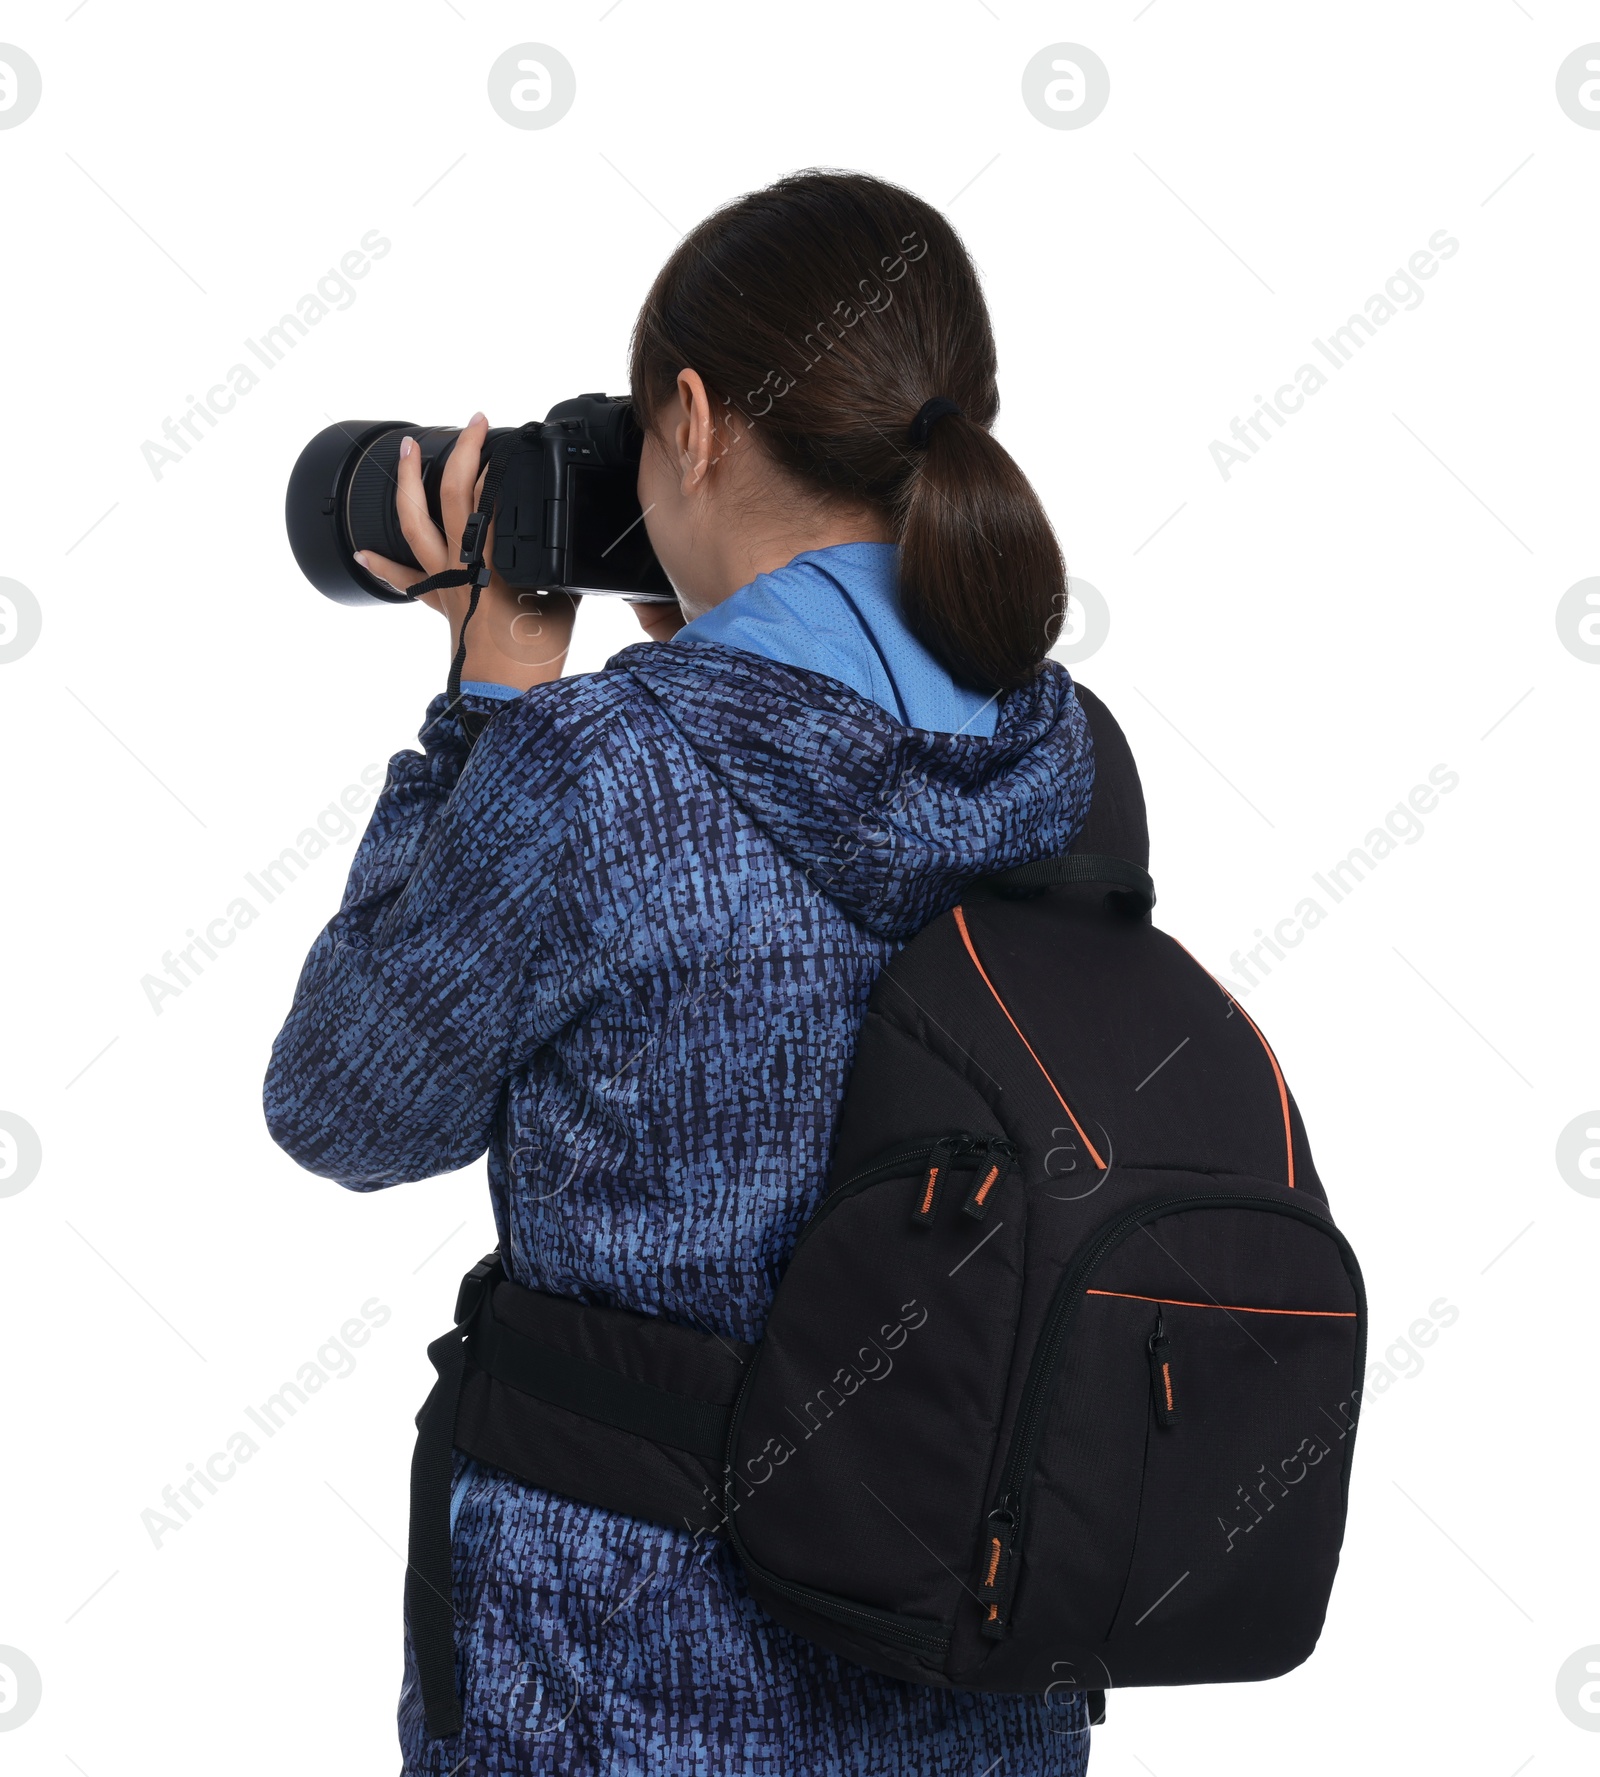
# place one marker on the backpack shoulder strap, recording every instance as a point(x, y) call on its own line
point(1115, 826)
point(1111, 854)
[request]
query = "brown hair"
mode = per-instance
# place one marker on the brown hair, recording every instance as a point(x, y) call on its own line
point(827, 309)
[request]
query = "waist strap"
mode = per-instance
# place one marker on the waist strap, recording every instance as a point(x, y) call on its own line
point(619, 1410)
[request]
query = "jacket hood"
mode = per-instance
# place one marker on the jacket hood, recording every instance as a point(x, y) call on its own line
point(891, 822)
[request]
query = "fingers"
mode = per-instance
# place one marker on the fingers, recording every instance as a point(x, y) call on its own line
point(411, 507)
point(458, 484)
point(391, 573)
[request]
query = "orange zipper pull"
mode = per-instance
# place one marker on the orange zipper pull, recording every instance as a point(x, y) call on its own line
point(927, 1203)
point(994, 1157)
point(1160, 1352)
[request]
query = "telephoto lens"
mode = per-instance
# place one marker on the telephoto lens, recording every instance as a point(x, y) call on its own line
point(567, 518)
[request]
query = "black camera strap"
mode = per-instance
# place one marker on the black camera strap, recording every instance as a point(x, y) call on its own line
point(476, 571)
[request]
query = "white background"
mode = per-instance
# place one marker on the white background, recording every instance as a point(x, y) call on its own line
point(1365, 599)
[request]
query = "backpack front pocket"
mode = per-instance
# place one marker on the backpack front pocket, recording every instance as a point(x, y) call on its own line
point(864, 1436)
point(1173, 1496)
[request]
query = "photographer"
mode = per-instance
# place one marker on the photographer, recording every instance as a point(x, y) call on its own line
point(623, 940)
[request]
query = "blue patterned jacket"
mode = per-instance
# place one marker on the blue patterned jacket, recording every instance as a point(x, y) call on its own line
point(626, 946)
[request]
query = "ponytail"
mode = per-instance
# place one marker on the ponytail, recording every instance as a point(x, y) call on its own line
point(982, 583)
point(829, 310)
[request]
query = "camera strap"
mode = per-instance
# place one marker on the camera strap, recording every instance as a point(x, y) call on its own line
point(476, 571)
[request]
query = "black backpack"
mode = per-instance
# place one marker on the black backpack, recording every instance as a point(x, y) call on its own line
point(1059, 1388)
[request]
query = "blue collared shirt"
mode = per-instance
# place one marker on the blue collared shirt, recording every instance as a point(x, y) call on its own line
point(837, 611)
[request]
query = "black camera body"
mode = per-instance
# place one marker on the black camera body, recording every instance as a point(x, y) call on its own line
point(567, 518)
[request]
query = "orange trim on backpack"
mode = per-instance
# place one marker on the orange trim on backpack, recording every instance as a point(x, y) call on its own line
point(1277, 1072)
point(1166, 1383)
point(984, 1189)
point(966, 938)
point(1229, 1307)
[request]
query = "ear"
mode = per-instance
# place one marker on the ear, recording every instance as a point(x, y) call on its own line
point(695, 432)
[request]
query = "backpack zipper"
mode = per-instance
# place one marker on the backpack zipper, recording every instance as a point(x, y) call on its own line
point(1158, 1347)
point(880, 1169)
point(956, 1146)
point(1006, 1520)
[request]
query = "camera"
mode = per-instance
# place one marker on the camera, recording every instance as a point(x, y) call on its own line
point(566, 517)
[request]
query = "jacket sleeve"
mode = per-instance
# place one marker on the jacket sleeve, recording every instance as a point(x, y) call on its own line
point(409, 1014)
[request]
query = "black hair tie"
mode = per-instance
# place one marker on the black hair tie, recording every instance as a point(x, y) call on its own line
point(928, 415)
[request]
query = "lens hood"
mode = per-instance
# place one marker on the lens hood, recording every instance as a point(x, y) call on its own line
point(316, 516)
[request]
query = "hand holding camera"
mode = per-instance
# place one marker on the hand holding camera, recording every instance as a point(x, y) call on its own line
point(376, 508)
point(518, 637)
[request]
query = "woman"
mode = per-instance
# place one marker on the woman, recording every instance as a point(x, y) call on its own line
point(627, 945)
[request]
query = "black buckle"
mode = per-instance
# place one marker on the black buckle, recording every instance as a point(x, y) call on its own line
point(472, 536)
point(477, 1284)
